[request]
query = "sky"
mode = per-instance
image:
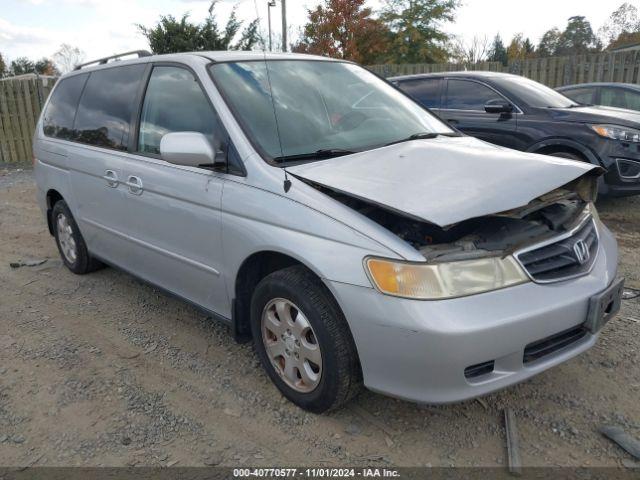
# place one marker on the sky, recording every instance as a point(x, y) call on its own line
point(36, 28)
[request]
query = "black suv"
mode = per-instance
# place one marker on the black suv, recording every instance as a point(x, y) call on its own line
point(519, 113)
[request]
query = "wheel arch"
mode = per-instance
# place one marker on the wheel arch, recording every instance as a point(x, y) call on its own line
point(52, 197)
point(251, 271)
point(550, 145)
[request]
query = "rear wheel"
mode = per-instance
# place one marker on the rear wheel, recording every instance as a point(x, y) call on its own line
point(303, 340)
point(71, 245)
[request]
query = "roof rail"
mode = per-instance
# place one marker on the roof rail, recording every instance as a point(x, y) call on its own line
point(102, 61)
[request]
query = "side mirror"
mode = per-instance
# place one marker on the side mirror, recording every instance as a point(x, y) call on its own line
point(499, 106)
point(191, 149)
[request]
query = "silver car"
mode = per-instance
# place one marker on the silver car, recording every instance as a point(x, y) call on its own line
point(319, 211)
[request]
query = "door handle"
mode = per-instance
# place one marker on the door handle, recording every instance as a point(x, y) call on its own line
point(135, 185)
point(453, 121)
point(111, 178)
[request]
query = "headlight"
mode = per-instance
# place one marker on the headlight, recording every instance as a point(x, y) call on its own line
point(444, 280)
point(617, 133)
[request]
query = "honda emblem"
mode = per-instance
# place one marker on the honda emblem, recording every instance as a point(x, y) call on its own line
point(581, 251)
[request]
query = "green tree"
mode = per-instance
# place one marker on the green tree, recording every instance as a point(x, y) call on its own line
point(529, 49)
point(578, 38)
point(416, 29)
point(498, 52)
point(344, 29)
point(45, 66)
point(170, 35)
point(22, 65)
point(549, 42)
point(3, 66)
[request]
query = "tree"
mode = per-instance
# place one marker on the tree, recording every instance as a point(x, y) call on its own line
point(549, 42)
point(3, 66)
point(344, 29)
point(497, 52)
point(416, 29)
point(21, 66)
point(529, 49)
point(516, 50)
point(45, 66)
point(578, 38)
point(68, 57)
point(624, 39)
point(171, 36)
point(472, 52)
point(620, 24)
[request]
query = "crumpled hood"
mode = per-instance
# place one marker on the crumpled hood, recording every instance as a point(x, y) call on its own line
point(443, 180)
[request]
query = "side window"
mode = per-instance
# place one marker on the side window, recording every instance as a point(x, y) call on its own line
point(174, 102)
point(585, 96)
point(58, 118)
point(632, 100)
point(467, 95)
point(426, 91)
point(106, 106)
point(621, 98)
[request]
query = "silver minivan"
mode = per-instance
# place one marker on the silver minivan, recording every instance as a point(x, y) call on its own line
point(319, 211)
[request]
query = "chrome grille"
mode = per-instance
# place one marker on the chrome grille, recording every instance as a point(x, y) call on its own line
point(569, 256)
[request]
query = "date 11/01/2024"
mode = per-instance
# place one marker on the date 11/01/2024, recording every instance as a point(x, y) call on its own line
point(315, 472)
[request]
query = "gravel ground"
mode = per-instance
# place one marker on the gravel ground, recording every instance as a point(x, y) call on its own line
point(104, 370)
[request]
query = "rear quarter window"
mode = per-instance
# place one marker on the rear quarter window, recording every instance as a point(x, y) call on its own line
point(106, 107)
point(61, 110)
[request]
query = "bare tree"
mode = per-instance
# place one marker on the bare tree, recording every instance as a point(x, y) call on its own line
point(67, 57)
point(477, 50)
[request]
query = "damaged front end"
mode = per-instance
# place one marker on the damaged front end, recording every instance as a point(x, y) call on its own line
point(534, 242)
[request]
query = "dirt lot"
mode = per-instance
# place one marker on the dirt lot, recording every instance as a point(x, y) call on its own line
point(104, 370)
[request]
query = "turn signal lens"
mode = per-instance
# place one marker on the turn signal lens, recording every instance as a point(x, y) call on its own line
point(444, 280)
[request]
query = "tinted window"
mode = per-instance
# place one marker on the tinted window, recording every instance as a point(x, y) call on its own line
point(619, 97)
point(532, 93)
point(58, 119)
point(174, 102)
point(425, 91)
point(465, 95)
point(106, 106)
point(581, 95)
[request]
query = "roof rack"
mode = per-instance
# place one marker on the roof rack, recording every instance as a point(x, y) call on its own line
point(102, 61)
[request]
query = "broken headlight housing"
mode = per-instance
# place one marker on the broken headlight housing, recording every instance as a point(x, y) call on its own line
point(437, 281)
point(616, 132)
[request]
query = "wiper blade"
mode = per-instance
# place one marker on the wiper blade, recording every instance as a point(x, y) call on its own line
point(423, 136)
point(317, 155)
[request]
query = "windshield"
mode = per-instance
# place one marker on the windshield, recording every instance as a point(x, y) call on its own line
point(533, 93)
point(319, 106)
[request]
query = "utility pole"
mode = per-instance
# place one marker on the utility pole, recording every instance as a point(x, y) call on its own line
point(284, 25)
point(271, 3)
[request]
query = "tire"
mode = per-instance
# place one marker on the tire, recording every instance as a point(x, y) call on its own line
point(317, 322)
point(71, 245)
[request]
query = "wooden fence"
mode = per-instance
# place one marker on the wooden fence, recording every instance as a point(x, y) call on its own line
point(20, 103)
point(553, 72)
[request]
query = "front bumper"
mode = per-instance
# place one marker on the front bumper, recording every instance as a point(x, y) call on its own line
point(622, 161)
point(419, 350)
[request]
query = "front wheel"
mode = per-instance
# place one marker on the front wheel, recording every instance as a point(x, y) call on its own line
point(303, 340)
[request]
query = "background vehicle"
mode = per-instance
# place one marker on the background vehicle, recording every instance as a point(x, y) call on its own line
point(289, 196)
point(518, 113)
point(618, 95)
